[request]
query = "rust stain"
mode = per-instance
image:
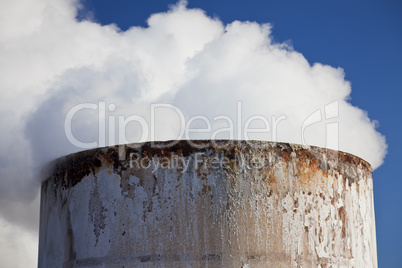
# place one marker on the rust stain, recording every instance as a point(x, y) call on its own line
point(308, 160)
point(291, 207)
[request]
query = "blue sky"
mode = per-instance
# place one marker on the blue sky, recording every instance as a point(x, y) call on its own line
point(362, 37)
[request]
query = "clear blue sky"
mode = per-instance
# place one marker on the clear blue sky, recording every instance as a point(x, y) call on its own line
point(362, 37)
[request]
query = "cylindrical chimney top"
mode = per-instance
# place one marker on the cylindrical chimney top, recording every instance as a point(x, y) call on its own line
point(208, 203)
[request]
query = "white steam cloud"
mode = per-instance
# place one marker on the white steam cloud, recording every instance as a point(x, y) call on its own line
point(207, 71)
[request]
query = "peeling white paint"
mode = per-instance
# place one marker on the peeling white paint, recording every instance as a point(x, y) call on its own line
point(287, 213)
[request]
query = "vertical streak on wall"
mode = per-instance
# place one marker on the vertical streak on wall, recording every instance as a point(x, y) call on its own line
point(227, 204)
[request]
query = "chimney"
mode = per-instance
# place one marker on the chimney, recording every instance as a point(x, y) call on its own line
point(208, 204)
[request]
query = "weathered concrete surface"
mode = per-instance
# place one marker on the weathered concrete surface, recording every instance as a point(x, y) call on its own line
point(228, 204)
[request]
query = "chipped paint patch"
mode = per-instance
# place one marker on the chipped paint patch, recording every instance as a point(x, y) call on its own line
point(223, 204)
